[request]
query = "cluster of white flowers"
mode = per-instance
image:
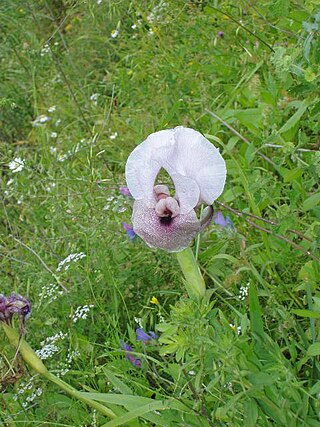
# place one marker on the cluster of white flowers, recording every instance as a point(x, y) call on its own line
point(54, 338)
point(243, 292)
point(50, 292)
point(70, 258)
point(81, 312)
point(16, 165)
point(117, 203)
point(40, 120)
point(27, 387)
point(47, 351)
point(66, 366)
point(45, 50)
point(113, 135)
point(53, 135)
point(154, 16)
point(52, 109)
point(49, 347)
point(50, 186)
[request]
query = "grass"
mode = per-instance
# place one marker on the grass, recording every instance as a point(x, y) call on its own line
point(253, 91)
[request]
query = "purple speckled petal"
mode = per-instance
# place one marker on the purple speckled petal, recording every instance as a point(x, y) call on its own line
point(171, 234)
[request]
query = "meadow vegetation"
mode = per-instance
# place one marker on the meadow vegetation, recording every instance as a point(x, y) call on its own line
point(82, 83)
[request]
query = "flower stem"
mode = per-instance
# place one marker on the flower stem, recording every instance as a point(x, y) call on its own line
point(195, 284)
point(33, 360)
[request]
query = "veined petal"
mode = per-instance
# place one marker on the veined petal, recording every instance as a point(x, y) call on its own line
point(187, 192)
point(195, 157)
point(171, 234)
point(145, 162)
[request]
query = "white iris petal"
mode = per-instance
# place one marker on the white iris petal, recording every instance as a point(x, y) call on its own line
point(198, 172)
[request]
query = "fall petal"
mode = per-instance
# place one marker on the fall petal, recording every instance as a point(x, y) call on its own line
point(171, 234)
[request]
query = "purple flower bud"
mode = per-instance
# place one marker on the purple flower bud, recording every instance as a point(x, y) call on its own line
point(129, 230)
point(14, 304)
point(143, 336)
point(221, 34)
point(128, 352)
point(125, 191)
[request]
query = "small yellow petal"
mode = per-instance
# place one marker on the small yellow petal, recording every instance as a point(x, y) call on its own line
point(154, 300)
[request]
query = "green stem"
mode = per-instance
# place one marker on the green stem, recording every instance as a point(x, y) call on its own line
point(33, 360)
point(195, 284)
point(310, 307)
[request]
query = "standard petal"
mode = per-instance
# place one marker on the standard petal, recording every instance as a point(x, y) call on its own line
point(187, 192)
point(195, 157)
point(171, 234)
point(145, 162)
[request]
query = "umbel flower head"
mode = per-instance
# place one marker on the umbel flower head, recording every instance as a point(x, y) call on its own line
point(198, 172)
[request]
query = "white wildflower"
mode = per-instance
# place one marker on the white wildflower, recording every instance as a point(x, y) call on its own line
point(62, 157)
point(114, 33)
point(70, 258)
point(52, 108)
point(53, 150)
point(81, 312)
point(138, 320)
point(47, 351)
point(94, 97)
point(113, 135)
point(40, 120)
point(53, 135)
point(16, 165)
point(9, 182)
point(243, 292)
point(50, 292)
point(45, 50)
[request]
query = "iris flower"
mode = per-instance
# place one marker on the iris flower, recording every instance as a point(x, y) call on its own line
point(198, 172)
point(14, 304)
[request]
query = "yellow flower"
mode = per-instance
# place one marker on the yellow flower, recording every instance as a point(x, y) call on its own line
point(154, 300)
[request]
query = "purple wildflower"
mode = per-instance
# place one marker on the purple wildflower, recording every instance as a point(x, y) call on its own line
point(129, 230)
point(125, 191)
point(143, 336)
point(221, 34)
point(128, 352)
point(219, 219)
